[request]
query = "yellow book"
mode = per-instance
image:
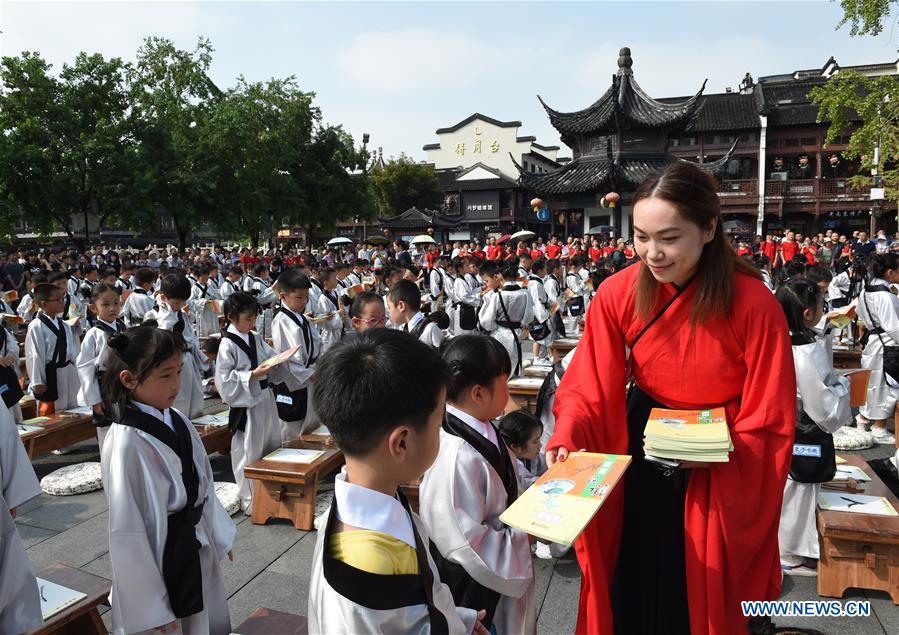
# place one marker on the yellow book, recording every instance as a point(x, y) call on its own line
point(560, 503)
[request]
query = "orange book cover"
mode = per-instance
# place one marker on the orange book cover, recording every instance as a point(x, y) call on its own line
point(560, 503)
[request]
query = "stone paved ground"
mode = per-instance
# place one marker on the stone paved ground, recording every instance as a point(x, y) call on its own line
point(272, 564)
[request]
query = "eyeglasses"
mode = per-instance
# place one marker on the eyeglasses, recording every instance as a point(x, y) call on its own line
point(377, 320)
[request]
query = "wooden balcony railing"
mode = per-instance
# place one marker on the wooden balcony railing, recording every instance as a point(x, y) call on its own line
point(797, 188)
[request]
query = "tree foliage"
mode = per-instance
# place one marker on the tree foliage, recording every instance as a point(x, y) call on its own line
point(128, 143)
point(402, 183)
point(865, 17)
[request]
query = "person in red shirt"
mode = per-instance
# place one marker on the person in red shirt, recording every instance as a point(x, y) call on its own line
point(494, 251)
point(705, 539)
point(629, 251)
point(536, 252)
point(743, 249)
point(478, 252)
point(810, 252)
point(595, 252)
point(522, 249)
point(789, 247)
point(769, 248)
point(608, 249)
point(553, 249)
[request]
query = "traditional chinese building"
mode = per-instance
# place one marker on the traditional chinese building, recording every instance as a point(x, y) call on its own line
point(762, 137)
point(477, 161)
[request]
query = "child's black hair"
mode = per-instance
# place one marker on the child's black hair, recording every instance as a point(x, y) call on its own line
point(101, 288)
point(108, 273)
point(879, 264)
point(795, 268)
point(475, 360)
point(405, 291)
point(369, 383)
point(236, 270)
point(90, 269)
point(175, 286)
point(260, 268)
point(43, 292)
point(518, 426)
point(291, 280)
point(795, 296)
point(211, 345)
point(440, 318)
point(362, 300)
point(490, 268)
point(818, 274)
point(140, 349)
point(56, 276)
point(538, 266)
point(239, 303)
point(144, 275)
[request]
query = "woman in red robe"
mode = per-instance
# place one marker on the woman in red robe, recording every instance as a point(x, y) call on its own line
point(675, 552)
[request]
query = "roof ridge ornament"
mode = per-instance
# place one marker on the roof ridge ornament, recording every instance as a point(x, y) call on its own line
point(625, 62)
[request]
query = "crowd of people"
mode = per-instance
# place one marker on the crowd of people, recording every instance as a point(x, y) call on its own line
point(404, 354)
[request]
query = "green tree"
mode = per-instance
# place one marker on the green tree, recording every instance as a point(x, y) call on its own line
point(172, 99)
point(66, 145)
point(849, 97)
point(402, 183)
point(865, 17)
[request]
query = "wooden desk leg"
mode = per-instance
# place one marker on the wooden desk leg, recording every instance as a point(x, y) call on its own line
point(264, 504)
point(88, 624)
point(830, 582)
point(304, 506)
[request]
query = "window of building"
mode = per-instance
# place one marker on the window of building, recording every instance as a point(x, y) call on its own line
point(809, 141)
point(791, 143)
point(688, 141)
point(775, 143)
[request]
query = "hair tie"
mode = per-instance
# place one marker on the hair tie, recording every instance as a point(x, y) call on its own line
point(119, 342)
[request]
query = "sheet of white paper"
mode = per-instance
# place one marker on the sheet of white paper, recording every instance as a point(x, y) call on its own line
point(23, 429)
point(217, 419)
point(81, 410)
point(845, 472)
point(294, 455)
point(55, 598)
point(856, 503)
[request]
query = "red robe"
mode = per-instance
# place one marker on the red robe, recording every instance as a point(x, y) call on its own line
point(732, 510)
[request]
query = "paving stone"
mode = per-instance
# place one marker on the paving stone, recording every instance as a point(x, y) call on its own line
point(33, 535)
point(296, 561)
point(76, 547)
point(272, 591)
point(60, 513)
point(255, 548)
point(559, 611)
point(101, 566)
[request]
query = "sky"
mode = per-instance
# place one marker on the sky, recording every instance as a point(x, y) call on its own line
point(400, 70)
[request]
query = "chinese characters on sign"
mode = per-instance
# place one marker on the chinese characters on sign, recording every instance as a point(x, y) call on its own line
point(479, 208)
point(460, 147)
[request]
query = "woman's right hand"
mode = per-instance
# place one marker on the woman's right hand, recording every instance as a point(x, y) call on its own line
point(559, 454)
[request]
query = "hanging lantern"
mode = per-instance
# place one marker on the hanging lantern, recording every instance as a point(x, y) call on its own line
point(610, 200)
point(537, 203)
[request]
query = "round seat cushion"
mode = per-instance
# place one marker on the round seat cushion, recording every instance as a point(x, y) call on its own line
point(227, 493)
point(847, 438)
point(73, 479)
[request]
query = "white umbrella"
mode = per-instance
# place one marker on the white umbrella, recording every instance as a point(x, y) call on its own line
point(340, 240)
point(423, 238)
point(524, 234)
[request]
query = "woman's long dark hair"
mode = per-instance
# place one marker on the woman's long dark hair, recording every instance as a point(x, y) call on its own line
point(795, 296)
point(694, 194)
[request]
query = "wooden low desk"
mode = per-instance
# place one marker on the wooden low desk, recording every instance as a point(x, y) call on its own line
point(523, 393)
point(851, 358)
point(561, 347)
point(318, 441)
point(859, 550)
point(215, 438)
point(269, 622)
point(410, 491)
point(28, 404)
point(81, 618)
point(287, 490)
point(59, 431)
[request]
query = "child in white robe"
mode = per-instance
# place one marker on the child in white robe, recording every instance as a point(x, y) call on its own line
point(50, 352)
point(371, 566)
point(202, 300)
point(332, 324)
point(291, 328)
point(232, 283)
point(20, 603)
point(260, 286)
point(167, 529)
point(521, 431)
point(469, 486)
point(243, 385)
point(9, 357)
point(91, 361)
point(540, 330)
point(467, 294)
point(141, 300)
point(506, 308)
point(822, 407)
point(174, 291)
point(404, 307)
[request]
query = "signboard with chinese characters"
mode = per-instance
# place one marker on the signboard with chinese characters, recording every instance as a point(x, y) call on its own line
point(481, 205)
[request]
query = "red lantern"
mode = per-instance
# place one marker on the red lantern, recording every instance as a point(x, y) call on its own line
point(537, 203)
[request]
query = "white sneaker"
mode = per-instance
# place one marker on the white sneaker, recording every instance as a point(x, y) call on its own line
point(882, 436)
point(861, 421)
point(543, 552)
point(799, 570)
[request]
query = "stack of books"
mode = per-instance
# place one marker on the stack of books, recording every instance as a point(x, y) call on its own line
point(688, 435)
